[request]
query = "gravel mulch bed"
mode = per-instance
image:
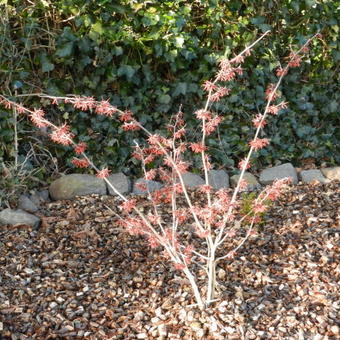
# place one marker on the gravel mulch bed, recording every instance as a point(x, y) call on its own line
point(81, 277)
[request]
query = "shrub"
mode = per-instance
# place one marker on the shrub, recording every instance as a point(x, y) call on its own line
point(218, 218)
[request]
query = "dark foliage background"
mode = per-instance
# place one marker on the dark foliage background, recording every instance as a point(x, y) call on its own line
point(151, 57)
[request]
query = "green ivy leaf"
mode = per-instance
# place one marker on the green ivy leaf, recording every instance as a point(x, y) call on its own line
point(65, 50)
point(97, 28)
point(117, 51)
point(164, 99)
point(46, 65)
point(17, 84)
point(179, 42)
point(126, 70)
point(181, 88)
point(333, 106)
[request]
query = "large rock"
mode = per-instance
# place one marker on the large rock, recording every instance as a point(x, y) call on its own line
point(308, 176)
point(267, 176)
point(252, 183)
point(70, 186)
point(150, 186)
point(192, 180)
point(18, 217)
point(332, 173)
point(218, 179)
point(121, 182)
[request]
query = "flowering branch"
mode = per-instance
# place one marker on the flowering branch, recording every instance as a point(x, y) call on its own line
point(210, 221)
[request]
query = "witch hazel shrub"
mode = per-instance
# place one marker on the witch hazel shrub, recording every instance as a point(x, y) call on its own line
point(213, 220)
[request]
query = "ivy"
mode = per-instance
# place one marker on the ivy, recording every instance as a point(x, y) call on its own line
point(151, 57)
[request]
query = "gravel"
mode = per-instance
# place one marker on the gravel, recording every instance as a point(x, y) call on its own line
point(80, 276)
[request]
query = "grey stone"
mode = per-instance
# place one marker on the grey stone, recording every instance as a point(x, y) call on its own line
point(192, 180)
point(18, 217)
point(218, 179)
point(332, 173)
point(253, 184)
point(26, 204)
point(121, 182)
point(150, 186)
point(70, 186)
point(308, 176)
point(43, 195)
point(267, 176)
point(37, 197)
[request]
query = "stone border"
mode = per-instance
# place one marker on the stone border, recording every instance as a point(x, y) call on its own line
point(70, 186)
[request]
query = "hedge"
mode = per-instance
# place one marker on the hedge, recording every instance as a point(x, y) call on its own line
point(152, 57)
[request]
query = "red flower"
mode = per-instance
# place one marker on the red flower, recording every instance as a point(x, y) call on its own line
point(243, 184)
point(154, 139)
point(128, 205)
point(294, 60)
point(270, 94)
point(220, 92)
point(259, 143)
point(80, 148)
point(151, 174)
point(273, 109)
point(209, 86)
point(6, 103)
point(201, 233)
point(258, 121)
point(205, 188)
point(37, 118)
point(305, 49)
point(203, 114)
point(283, 105)
point(80, 163)
point(179, 266)
point(133, 126)
point(62, 135)
point(105, 108)
point(149, 159)
point(103, 173)
point(212, 124)
point(21, 109)
point(259, 208)
point(179, 134)
point(241, 164)
point(239, 59)
point(142, 186)
point(154, 219)
point(198, 147)
point(182, 167)
point(281, 72)
point(82, 103)
point(153, 242)
point(226, 74)
point(182, 215)
point(126, 116)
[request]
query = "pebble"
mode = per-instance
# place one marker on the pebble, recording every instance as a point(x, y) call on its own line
point(60, 299)
point(139, 316)
point(155, 319)
point(53, 304)
point(335, 330)
point(196, 325)
point(162, 331)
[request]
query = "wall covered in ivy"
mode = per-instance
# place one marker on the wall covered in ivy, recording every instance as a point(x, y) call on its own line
point(152, 57)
